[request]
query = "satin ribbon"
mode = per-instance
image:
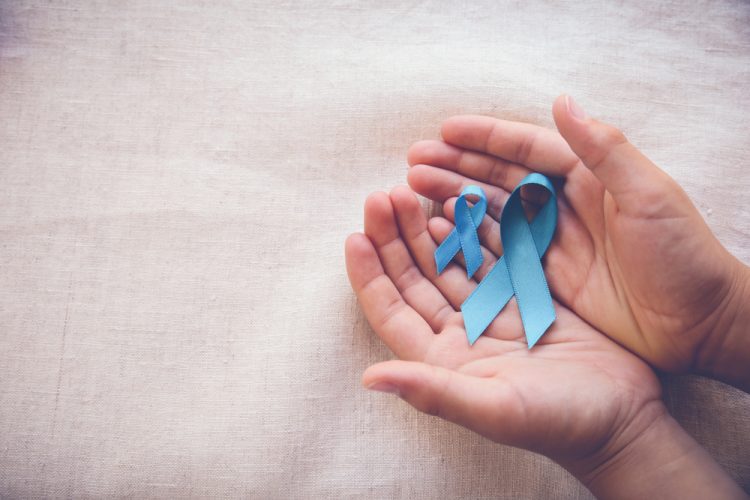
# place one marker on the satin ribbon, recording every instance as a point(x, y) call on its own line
point(464, 235)
point(519, 271)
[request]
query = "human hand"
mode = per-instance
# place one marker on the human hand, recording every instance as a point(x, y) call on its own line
point(565, 398)
point(632, 256)
point(576, 397)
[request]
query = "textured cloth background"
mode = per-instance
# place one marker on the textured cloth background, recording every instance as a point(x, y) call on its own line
point(176, 183)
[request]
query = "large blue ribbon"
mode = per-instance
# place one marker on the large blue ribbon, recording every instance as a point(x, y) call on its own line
point(519, 271)
point(464, 235)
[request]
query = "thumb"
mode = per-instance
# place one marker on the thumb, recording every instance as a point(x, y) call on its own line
point(624, 171)
point(473, 402)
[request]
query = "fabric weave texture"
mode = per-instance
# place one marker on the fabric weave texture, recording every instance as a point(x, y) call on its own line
point(176, 183)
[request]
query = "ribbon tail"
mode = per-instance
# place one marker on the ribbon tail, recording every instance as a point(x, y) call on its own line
point(447, 249)
point(486, 301)
point(541, 323)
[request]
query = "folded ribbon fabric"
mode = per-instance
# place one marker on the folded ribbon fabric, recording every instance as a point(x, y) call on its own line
point(519, 271)
point(464, 236)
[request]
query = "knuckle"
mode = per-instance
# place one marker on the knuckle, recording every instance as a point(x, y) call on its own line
point(498, 173)
point(599, 145)
point(524, 148)
point(611, 136)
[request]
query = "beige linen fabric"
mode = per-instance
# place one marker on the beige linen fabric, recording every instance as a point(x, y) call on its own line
point(176, 183)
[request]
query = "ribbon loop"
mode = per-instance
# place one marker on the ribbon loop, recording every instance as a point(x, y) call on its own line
point(519, 271)
point(464, 235)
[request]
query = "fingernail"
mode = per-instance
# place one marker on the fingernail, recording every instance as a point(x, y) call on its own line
point(384, 387)
point(574, 109)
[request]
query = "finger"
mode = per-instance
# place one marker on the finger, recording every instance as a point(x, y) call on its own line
point(439, 184)
point(488, 406)
point(452, 282)
point(404, 331)
point(477, 166)
point(532, 146)
point(418, 292)
point(488, 230)
point(636, 184)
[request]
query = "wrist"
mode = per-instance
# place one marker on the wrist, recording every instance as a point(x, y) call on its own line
point(725, 355)
point(653, 457)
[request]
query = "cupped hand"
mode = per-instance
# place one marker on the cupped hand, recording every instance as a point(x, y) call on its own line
point(576, 396)
point(632, 256)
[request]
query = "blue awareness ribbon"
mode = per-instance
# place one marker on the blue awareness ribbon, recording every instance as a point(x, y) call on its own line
point(519, 271)
point(464, 235)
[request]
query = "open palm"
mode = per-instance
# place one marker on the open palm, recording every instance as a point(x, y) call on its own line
point(633, 258)
point(567, 397)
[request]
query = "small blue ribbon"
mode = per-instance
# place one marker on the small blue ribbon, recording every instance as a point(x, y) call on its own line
point(519, 271)
point(464, 235)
